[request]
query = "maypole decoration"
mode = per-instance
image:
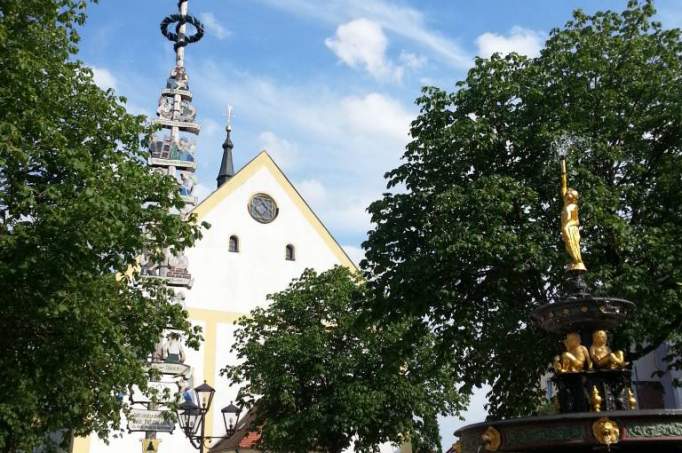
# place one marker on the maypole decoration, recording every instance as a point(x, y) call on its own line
point(172, 153)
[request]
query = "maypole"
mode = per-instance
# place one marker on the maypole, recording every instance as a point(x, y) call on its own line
point(172, 153)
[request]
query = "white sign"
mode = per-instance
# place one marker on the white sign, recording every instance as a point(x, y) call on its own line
point(173, 369)
point(149, 420)
point(166, 392)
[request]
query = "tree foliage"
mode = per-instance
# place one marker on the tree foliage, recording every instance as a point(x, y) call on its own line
point(322, 380)
point(471, 245)
point(78, 205)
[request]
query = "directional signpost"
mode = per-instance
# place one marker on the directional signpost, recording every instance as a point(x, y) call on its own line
point(166, 392)
point(172, 369)
point(148, 420)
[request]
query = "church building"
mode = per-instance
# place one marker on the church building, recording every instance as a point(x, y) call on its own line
point(262, 235)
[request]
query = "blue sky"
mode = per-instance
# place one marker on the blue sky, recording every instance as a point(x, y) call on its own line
point(326, 86)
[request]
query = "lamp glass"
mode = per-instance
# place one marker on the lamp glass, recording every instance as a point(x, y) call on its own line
point(189, 417)
point(230, 418)
point(204, 396)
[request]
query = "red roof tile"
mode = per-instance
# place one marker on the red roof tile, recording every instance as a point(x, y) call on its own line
point(249, 440)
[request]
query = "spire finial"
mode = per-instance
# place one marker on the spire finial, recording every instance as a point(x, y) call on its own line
point(227, 165)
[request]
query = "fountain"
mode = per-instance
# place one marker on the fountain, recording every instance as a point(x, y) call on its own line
point(595, 400)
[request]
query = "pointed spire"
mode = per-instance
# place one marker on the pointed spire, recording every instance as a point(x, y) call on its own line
point(227, 165)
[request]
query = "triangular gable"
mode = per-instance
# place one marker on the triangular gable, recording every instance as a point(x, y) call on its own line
point(263, 160)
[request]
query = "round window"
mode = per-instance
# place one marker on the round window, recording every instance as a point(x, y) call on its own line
point(263, 208)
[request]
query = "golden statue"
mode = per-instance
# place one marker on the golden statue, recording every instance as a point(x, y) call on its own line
point(570, 224)
point(492, 439)
point(596, 399)
point(601, 354)
point(606, 431)
point(576, 358)
point(632, 401)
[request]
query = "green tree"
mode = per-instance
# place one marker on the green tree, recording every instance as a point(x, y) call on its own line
point(471, 245)
point(78, 205)
point(318, 379)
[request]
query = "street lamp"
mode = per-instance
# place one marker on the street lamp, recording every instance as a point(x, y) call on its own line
point(230, 418)
point(189, 417)
point(204, 394)
point(192, 416)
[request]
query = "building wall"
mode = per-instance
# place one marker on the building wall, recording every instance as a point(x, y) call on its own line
point(238, 282)
point(228, 285)
point(644, 372)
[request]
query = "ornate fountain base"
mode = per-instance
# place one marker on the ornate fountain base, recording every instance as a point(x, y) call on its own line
point(655, 431)
point(574, 390)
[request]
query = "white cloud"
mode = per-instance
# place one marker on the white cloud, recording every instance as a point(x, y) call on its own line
point(335, 145)
point(362, 43)
point(377, 115)
point(312, 191)
point(404, 21)
point(349, 214)
point(413, 61)
point(214, 27)
point(312, 113)
point(344, 209)
point(520, 40)
point(356, 254)
point(104, 78)
point(282, 151)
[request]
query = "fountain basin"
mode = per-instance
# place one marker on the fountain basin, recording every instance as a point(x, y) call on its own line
point(585, 314)
point(652, 430)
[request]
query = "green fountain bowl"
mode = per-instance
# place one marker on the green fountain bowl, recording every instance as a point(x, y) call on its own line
point(651, 430)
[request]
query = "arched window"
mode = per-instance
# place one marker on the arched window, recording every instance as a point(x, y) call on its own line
point(234, 244)
point(290, 253)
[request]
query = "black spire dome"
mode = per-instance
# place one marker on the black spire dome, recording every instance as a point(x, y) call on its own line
point(226, 165)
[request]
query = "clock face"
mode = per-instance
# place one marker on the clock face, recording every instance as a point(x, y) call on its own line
point(263, 208)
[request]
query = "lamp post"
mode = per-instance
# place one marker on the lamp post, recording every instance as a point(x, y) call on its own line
point(230, 418)
point(192, 416)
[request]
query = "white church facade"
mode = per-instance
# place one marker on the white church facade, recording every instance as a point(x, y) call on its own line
point(228, 281)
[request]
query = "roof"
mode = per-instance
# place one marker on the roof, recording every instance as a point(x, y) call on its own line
point(263, 160)
point(243, 437)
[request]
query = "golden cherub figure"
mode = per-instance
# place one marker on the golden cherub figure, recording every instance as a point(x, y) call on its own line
point(601, 354)
point(576, 358)
point(570, 224)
